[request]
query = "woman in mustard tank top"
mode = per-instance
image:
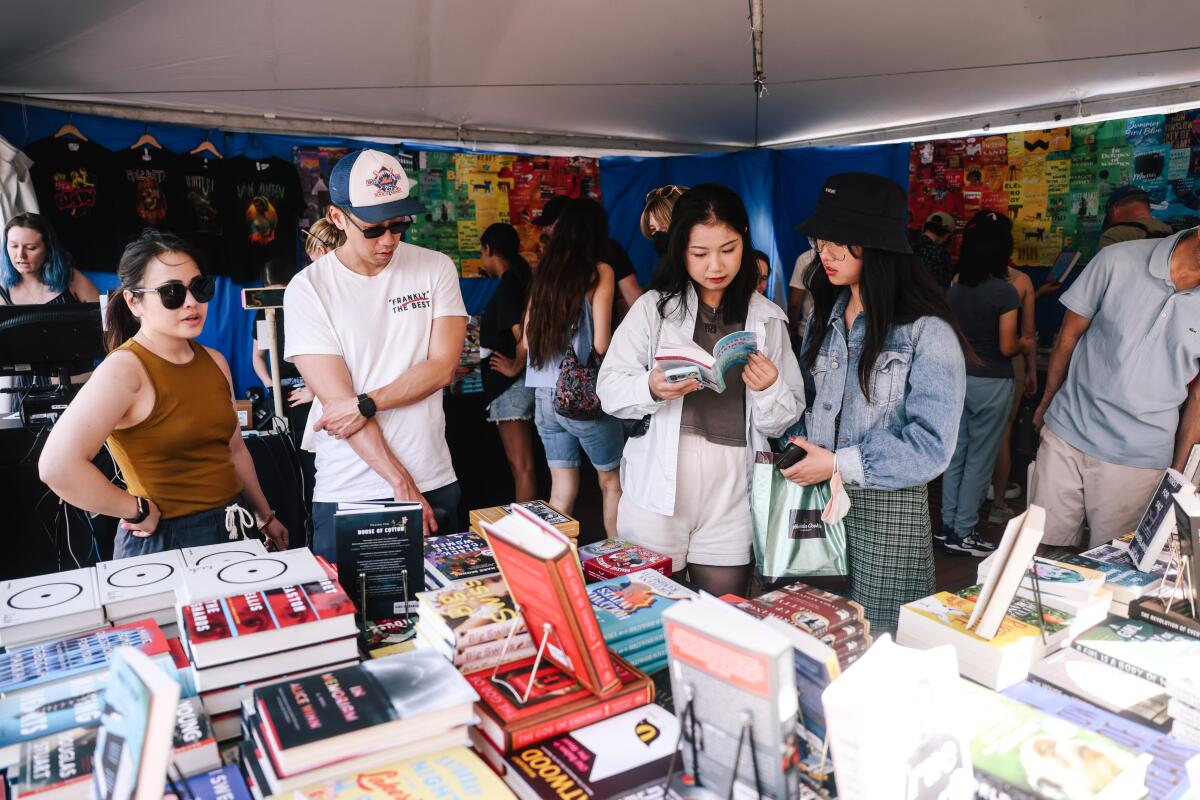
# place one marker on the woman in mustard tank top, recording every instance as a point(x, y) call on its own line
point(165, 406)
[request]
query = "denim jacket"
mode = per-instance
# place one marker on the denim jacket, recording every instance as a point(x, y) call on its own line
point(906, 434)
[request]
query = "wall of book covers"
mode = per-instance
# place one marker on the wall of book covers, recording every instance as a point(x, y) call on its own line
point(1053, 183)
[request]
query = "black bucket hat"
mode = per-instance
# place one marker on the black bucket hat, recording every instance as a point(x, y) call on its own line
point(859, 208)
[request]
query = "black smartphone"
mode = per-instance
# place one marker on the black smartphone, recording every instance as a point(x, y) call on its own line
point(791, 456)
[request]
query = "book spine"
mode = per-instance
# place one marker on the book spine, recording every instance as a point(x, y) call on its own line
point(539, 732)
point(1105, 658)
point(591, 641)
point(1140, 609)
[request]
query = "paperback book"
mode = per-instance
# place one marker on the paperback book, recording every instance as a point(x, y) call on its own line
point(540, 509)
point(224, 783)
point(41, 664)
point(1071, 672)
point(270, 570)
point(1158, 521)
point(455, 774)
point(457, 557)
point(709, 368)
point(633, 605)
point(381, 557)
point(47, 606)
point(142, 585)
point(1140, 648)
point(470, 612)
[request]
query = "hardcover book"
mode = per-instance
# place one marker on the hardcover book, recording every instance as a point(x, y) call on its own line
point(556, 704)
point(141, 585)
point(381, 552)
point(470, 612)
point(46, 606)
point(56, 766)
point(625, 561)
point(633, 605)
point(820, 613)
point(1140, 648)
point(232, 628)
point(1166, 775)
point(547, 513)
point(1158, 520)
point(256, 573)
point(458, 556)
point(134, 743)
point(544, 579)
point(602, 547)
point(615, 758)
point(320, 719)
point(215, 555)
point(40, 664)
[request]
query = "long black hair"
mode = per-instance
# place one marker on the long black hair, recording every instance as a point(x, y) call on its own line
point(895, 289)
point(707, 204)
point(120, 324)
point(987, 245)
point(504, 241)
point(565, 273)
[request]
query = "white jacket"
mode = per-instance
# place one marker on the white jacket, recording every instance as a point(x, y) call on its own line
point(648, 464)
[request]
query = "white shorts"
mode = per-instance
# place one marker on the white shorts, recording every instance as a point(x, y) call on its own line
point(712, 524)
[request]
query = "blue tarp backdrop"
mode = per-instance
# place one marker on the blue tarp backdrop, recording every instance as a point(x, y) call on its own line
point(779, 188)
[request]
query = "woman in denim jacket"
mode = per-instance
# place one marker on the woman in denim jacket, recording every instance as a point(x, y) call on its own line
point(887, 360)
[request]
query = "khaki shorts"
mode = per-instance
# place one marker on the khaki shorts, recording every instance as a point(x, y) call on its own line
point(1019, 373)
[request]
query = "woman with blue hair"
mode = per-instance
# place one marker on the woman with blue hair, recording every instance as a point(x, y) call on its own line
point(36, 269)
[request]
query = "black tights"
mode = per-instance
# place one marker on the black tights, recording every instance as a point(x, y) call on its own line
point(720, 580)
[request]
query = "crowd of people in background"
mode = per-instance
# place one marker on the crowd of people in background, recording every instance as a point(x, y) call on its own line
point(893, 364)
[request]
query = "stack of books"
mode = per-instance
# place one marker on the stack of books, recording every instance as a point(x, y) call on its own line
point(469, 622)
point(556, 704)
point(612, 558)
point(1074, 594)
point(307, 730)
point(629, 610)
point(256, 635)
point(835, 620)
point(1183, 705)
point(457, 557)
point(49, 607)
point(224, 783)
point(540, 509)
point(1121, 576)
point(141, 587)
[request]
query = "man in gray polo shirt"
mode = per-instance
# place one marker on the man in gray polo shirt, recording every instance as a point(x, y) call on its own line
point(1131, 337)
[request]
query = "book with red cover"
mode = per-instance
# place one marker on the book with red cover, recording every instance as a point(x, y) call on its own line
point(814, 611)
point(251, 624)
point(624, 561)
point(544, 579)
point(557, 704)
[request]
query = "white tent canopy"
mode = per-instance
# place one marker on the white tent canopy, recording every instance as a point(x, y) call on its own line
point(666, 75)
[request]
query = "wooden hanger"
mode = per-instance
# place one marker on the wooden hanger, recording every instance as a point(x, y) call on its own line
point(70, 130)
point(207, 147)
point(146, 140)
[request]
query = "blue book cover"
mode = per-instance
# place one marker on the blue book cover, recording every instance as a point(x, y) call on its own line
point(23, 667)
point(1166, 777)
point(633, 604)
point(643, 641)
point(225, 783)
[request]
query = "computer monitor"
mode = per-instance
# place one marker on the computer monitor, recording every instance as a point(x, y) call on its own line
point(50, 340)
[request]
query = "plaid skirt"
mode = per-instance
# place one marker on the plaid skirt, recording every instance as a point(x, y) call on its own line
point(890, 544)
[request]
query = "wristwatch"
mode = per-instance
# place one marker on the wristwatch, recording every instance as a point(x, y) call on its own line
point(143, 511)
point(366, 406)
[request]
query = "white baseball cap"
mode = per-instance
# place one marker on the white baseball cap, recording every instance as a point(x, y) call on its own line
point(373, 186)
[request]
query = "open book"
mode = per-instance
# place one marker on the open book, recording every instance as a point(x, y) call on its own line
point(730, 351)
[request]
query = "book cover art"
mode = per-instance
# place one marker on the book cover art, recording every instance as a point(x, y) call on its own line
point(311, 708)
point(257, 612)
point(1071, 672)
point(55, 762)
point(472, 611)
point(1117, 566)
point(255, 573)
point(632, 605)
point(380, 552)
point(24, 667)
point(1038, 753)
point(602, 547)
point(127, 579)
point(1051, 620)
point(213, 555)
point(731, 350)
point(456, 774)
point(609, 759)
point(1139, 647)
point(459, 556)
point(954, 612)
point(625, 561)
point(225, 783)
point(44, 597)
point(1157, 521)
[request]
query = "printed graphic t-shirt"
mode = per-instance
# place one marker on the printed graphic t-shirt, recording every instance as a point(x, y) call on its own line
point(76, 190)
point(145, 180)
point(262, 220)
point(381, 326)
point(202, 186)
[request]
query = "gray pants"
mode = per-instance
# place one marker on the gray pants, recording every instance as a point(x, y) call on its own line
point(193, 530)
point(985, 412)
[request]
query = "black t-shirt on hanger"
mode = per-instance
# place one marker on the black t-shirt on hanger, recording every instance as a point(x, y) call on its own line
point(203, 190)
point(146, 181)
point(77, 192)
point(264, 211)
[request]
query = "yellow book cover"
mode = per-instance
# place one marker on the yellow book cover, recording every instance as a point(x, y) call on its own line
point(953, 611)
point(454, 774)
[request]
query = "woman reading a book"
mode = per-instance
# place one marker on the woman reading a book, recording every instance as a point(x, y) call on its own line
point(570, 307)
point(164, 404)
point(887, 360)
point(686, 481)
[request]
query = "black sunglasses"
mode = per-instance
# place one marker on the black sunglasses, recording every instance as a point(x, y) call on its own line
point(375, 231)
point(202, 287)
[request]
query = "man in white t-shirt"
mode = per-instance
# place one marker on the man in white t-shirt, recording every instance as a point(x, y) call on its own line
point(376, 328)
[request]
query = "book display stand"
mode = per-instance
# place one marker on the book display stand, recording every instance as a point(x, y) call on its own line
point(1037, 598)
point(689, 734)
point(547, 629)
